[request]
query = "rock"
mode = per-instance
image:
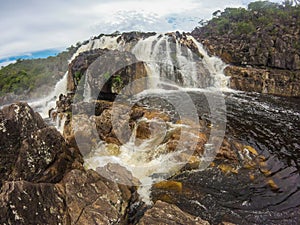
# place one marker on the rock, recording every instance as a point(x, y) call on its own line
point(164, 213)
point(95, 199)
point(44, 157)
point(169, 185)
point(81, 134)
point(25, 140)
point(269, 81)
point(29, 149)
point(23, 202)
point(114, 123)
point(108, 72)
point(269, 50)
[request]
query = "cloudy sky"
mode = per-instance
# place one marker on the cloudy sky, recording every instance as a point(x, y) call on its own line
point(43, 27)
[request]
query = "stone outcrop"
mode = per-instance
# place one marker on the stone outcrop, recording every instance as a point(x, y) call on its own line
point(269, 81)
point(94, 199)
point(29, 149)
point(273, 51)
point(23, 202)
point(107, 71)
point(43, 180)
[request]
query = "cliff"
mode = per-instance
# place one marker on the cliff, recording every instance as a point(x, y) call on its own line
point(263, 39)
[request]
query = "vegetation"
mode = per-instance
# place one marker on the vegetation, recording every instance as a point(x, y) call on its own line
point(259, 14)
point(25, 76)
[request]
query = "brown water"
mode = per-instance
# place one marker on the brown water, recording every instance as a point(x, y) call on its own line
point(272, 126)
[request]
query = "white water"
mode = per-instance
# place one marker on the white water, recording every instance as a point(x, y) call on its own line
point(215, 66)
point(43, 105)
point(163, 58)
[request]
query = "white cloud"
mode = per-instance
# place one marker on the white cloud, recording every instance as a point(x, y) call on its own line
point(40, 24)
point(2, 64)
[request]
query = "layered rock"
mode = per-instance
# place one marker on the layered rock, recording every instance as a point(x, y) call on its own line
point(273, 51)
point(269, 81)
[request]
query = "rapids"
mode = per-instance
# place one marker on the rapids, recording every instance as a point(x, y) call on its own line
point(270, 124)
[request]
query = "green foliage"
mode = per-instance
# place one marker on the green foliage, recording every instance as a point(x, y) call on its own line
point(27, 75)
point(117, 80)
point(245, 28)
point(259, 15)
point(262, 6)
point(78, 76)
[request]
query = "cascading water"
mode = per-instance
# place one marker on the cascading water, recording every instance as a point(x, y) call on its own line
point(271, 129)
point(45, 104)
point(167, 59)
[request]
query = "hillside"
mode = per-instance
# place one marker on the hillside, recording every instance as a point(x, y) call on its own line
point(33, 75)
point(265, 36)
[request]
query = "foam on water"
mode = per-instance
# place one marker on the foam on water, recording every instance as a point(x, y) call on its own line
point(166, 59)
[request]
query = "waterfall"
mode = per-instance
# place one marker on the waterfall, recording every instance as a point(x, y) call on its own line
point(167, 57)
point(43, 105)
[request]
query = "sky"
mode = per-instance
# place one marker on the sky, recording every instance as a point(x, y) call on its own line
point(38, 28)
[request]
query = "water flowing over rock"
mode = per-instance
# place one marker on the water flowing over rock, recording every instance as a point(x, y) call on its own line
point(265, 61)
point(107, 64)
point(126, 157)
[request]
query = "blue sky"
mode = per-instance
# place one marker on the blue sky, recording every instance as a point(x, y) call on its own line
point(38, 28)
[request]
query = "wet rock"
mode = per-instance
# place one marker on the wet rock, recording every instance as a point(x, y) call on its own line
point(169, 185)
point(133, 37)
point(91, 108)
point(164, 213)
point(23, 202)
point(81, 134)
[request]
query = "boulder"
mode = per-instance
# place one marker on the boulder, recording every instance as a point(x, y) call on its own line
point(95, 199)
point(107, 73)
point(23, 202)
point(29, 149)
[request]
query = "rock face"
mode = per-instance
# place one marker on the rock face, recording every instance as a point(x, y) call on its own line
point(269, 81)
point(164, 213)
point(272, 50)
point(93, 199)
point(107, 71)
point(23, 202)
point(29, 149)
